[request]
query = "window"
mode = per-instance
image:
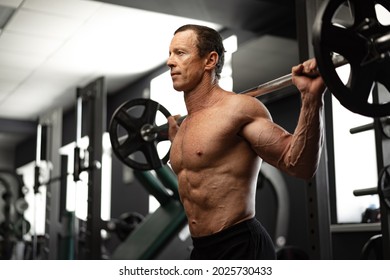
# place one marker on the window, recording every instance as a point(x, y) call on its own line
point(355, 161)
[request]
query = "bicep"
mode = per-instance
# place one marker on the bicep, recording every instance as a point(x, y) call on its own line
point(267, 139)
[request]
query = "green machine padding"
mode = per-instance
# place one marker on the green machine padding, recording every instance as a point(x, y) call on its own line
point(158, 228)
point(168, 179)
point(66, 240)
point(153, 186)
point(153, 233)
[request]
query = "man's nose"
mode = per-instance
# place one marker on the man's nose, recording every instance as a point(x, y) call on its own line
point(170, 62)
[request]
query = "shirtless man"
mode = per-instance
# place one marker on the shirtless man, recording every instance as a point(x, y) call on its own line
point(217, 150)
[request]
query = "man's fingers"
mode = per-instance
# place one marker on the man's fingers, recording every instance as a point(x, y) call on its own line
point(307, 68)
point(176, 117)
point(173, 126)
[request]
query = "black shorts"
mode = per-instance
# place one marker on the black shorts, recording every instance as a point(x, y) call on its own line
point(247, 240)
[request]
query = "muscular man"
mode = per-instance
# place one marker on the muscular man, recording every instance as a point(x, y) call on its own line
point(217, 150)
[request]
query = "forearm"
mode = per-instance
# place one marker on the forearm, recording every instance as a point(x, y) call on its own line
point(303, 152)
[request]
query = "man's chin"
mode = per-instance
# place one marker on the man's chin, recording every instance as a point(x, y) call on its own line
point(177, 88)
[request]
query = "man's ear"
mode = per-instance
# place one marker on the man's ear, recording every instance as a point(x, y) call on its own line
point(212, 60)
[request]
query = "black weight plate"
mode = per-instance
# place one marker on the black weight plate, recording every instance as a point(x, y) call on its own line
point(354, 44)
point(128, 125)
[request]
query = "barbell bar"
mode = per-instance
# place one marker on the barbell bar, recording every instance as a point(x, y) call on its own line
point(285, 81)
point(365, 46)
point(257, 91)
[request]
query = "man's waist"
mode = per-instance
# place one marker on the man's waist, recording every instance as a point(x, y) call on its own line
point(220, 236)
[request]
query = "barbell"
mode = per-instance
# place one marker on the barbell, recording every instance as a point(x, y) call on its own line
point(364, 44)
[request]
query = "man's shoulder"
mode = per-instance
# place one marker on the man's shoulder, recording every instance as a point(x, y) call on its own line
point(247, 104)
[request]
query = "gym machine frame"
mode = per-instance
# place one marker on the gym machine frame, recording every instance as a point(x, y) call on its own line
point(49, 139)
point(94, 95)
point(50, 126)
point(382, 144)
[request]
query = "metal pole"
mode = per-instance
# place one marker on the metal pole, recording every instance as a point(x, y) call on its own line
point(53, 227)
point(36, 187)
point(317, 190)
point(95, 96)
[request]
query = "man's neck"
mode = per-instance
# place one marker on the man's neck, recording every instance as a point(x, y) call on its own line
point(202, 97)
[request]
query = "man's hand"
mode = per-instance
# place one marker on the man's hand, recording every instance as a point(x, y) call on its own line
point(307, 78)
point(173, 126)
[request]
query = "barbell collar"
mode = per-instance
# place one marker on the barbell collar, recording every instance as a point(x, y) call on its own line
point(161, 132)
point(147, 132)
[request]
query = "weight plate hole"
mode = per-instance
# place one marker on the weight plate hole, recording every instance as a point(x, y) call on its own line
point(343, 17)
point(382, 14)
point(344, 71)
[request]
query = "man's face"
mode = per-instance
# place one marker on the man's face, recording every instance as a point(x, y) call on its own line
point(186, 66)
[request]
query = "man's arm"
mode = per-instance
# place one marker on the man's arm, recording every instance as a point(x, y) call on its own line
point(297, 154)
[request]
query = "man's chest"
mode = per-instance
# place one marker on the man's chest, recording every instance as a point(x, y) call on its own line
point(203, 140)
